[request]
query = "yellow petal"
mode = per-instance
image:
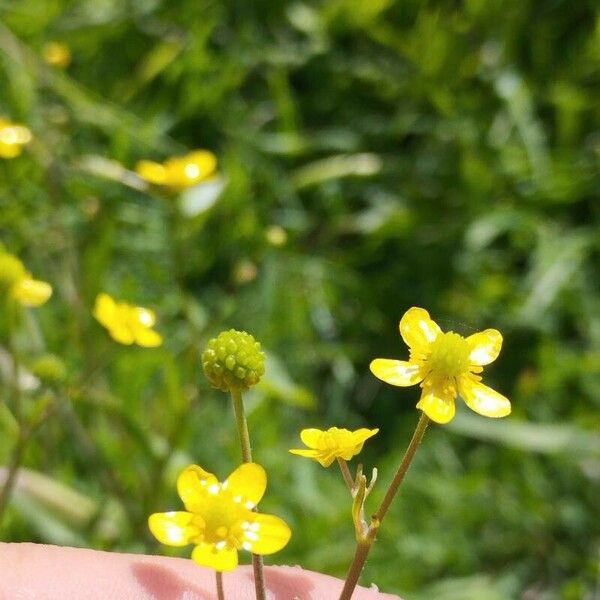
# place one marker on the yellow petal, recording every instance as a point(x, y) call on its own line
point(148, 338)
point(266, 534)
point(193, 484)
point(361, 435)
point(173, 528)
point(483, 399)
point(438, 409)
point(219, 559)
point(151, 171)
point(105, 309)
point(10, 150)
point(205, 160)
point(121, 333)
point(308, 453)
point(248, 481)
point(417, 329)
point(485, 347)
point(396, 372)
point(311, 437)
point(32, 292)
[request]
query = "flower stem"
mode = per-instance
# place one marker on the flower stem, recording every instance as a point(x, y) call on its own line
point(242, 427)
point(220, 591)
point(346, 473)
point(364, 545)
point(403, 468)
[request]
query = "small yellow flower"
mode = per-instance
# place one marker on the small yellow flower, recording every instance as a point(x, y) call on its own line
point(12, 138)
point(445, 365)
point(127, 324)
point(219, 517)
point(179, 172)
point(326, 446)
point(19, 283)
point(57, 54)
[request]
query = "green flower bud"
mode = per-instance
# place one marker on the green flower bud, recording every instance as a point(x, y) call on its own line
point(50, 368)
point(233, 361)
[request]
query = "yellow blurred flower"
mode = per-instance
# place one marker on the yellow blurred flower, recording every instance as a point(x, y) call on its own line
point(445, 365)
point(326, 446)
point(56, 54)
point(12, 138)
point(125, 323)
point(219, 517)
point(179, 172)
point(19, 283)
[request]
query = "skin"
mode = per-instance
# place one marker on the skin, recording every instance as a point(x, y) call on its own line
point(40, 572)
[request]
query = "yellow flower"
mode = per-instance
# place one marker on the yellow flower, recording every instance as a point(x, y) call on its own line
point(219, 517)
point(445, 365)
point(125, 323)
point(57, 54)
point(326, 446)
point(12, 138)
point(19, 283)
point(179, 172)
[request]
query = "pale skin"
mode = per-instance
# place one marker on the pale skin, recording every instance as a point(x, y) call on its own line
point(40, 572)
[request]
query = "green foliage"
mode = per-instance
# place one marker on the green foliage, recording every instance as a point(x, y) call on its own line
point(436, 153)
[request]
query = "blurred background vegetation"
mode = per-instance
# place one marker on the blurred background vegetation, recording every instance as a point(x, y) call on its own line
point(373, 155)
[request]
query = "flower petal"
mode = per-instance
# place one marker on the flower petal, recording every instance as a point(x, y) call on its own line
point(311, 437)
point(396, 372)
point(105, 309)
point(309, 453)
point(483, 399)
point(192, 485)
point(31, 292)
point(266, 534)
point(151, 171)
point(148, 338)
point(219, 559)
point(436, 407)
point(248, 481)
point(485, 347)
point(417, 329)
point(121, 333)
point(173, 528)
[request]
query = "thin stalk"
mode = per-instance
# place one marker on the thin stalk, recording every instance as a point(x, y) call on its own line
point(346, 473)
point(242, 428)
point(220, 590)
point(403, 468)
point(364, 545)
point(12, 471)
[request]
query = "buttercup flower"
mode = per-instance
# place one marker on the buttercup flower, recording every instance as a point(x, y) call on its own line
point(127, 324)
point(57, 54)
point(12, 138)
point(445, 365)
point(179, 172)
point(326, 446)
point(19, 284)
point(219, 518)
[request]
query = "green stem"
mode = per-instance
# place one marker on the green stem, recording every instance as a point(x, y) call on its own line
point(242, 428)
point(220, 590)
point(12, 470)
point(403, 468)
point(364, 545)
point(346, 473)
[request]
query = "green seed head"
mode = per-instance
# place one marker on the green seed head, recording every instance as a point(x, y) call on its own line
point(233, 361)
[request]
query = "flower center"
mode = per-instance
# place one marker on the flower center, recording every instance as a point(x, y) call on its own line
point(222, 518)
point(449, 355)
